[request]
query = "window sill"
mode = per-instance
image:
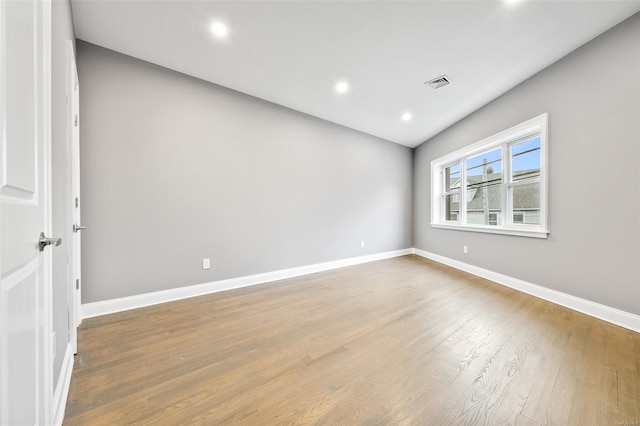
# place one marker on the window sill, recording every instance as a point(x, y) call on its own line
point(520, 232)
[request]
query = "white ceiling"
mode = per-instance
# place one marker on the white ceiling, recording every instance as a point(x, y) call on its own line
point(293, 53)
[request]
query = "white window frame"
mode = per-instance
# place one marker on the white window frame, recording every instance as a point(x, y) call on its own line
point(446, 192)
point(535, 127)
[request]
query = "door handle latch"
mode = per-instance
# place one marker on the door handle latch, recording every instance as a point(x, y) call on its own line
point(44, 241)
point(77, 228)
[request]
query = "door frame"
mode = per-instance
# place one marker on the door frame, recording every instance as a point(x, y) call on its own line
point(73, 141)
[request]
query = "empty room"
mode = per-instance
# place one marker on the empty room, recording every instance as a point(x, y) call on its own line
point(320, 212)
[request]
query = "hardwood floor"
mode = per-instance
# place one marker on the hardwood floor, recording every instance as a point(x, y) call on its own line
point(400, 341)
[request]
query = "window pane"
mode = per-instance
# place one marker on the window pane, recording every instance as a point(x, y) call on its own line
point(452, 207)
point(484, 180)
point(452, 184)
point(526, 203)
point(525, 158)
point(452, 177)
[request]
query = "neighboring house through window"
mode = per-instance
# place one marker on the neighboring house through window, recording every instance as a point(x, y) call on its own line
point(497, 185)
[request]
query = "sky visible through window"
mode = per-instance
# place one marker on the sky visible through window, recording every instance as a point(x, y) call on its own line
point(525, 163)
point(494, 163)
point(525, 157)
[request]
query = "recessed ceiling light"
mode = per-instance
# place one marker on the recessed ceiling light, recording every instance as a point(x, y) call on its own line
point(219, 29)
point(407, 116)
point(342, 87)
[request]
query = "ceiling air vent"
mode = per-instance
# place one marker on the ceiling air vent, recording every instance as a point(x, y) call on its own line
point(438, 82)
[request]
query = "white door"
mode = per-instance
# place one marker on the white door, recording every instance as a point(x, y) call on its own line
point(25, 212)
point(74, 133)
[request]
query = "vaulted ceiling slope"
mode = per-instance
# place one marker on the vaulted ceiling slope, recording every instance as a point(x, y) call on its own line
point(294, 53)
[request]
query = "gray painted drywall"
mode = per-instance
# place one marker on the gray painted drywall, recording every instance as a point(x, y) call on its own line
point(61, 34)
point(593, 100)
point(175, 169)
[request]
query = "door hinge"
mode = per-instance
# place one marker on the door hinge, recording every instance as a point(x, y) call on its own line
point(77, 202)
point(76, 121)
point(78, 284)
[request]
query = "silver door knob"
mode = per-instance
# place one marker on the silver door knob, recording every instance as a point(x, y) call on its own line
point(77, 228)
point(44, 241)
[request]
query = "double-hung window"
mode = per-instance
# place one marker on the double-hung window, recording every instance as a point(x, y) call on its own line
point(497, 185)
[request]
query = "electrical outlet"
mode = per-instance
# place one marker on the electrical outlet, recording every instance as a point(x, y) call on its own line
point(206, 263)
point(465, 249)
point(362, 244)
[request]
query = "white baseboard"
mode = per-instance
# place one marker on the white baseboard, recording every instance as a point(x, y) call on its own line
point(603, 312)
point(62, 388)
point(89, 310)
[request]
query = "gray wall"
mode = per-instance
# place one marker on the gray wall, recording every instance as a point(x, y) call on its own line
point(62, 33)
point(175, 169)
point(593, 100)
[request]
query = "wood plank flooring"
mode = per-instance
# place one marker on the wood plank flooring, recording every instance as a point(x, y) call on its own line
point(400, 341)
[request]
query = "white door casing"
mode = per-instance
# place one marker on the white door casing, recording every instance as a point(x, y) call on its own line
point(73, 103)
point(25, 211)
